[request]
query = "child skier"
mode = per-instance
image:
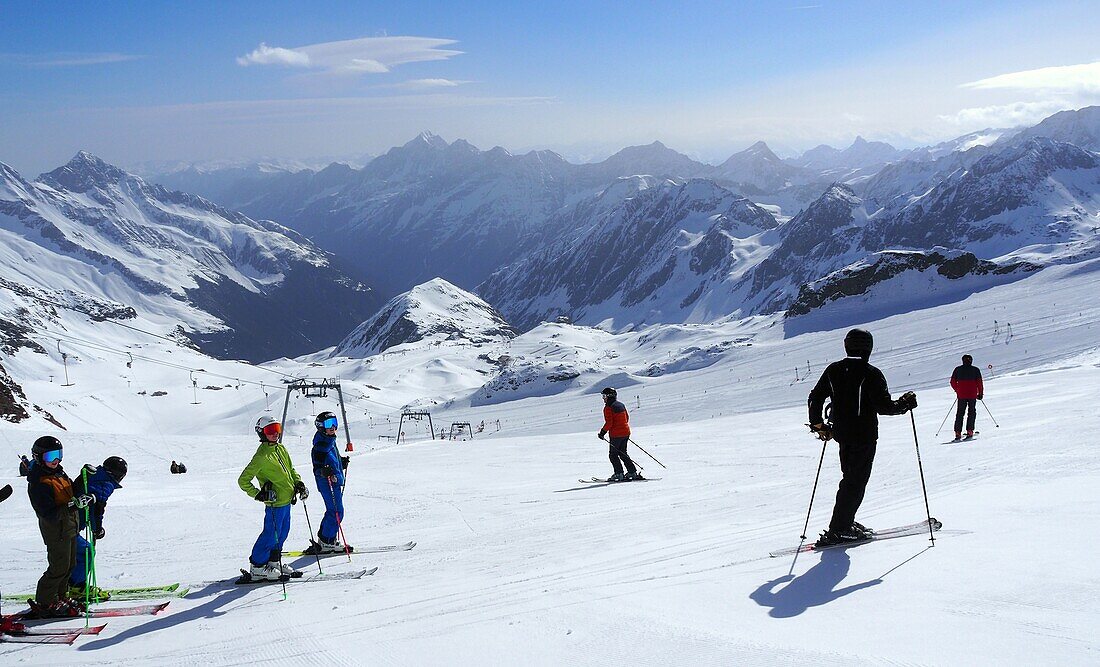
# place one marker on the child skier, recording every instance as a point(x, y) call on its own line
point(280, 486)
point(51, 495)
point(616, 423)
point(101, 483)
point(328, 471)
point(859, 394)
point(966, 380)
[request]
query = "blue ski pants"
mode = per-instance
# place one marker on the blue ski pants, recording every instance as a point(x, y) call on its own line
point(333, 495)
point(270, 542)
point(79, 574)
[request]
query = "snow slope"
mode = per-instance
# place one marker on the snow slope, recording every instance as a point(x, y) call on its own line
point(519, 563)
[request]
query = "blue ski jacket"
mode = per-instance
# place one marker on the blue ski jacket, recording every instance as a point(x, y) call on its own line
point(326, 454)
point(100, 484)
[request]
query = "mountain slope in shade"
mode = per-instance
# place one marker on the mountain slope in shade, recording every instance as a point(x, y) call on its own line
point(226, 278)
point(1080, 128)
point(434, 311)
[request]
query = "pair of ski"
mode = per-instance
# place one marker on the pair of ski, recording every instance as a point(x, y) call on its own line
point(920, 528)
point(17, 630)
point(408, 546)
point(597, 480)
point(126, 594)
point(298, 576)
point(966, 438)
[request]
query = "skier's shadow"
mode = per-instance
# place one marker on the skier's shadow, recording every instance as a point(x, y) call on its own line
point(208, 609)
point(815, 587)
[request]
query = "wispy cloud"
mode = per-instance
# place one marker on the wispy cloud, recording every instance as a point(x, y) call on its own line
point(428, 84)
point(366, 55)
point(65, 59)
point(1066, 79)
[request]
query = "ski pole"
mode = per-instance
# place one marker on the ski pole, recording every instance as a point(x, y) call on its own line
point(814, 492)
point(648, 454)
point(946, 416)
point(920, 467)
point(339, 520)
point(310, 525)
point(990, 414)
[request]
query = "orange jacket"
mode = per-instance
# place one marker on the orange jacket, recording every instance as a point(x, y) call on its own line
point(616, 420)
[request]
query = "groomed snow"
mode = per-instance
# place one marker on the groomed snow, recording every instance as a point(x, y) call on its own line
point(518, 563)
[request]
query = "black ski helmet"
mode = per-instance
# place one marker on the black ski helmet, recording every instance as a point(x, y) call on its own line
point(609, 393)
point(115, 467)
point(859, 343)
point(46, 443)
point(320, 421)
point(967, 359)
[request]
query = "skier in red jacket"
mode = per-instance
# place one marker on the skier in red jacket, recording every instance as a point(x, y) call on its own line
point(966, 380)
point(616, 423)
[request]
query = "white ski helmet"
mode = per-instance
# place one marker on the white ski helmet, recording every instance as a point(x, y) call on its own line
point(264, 423)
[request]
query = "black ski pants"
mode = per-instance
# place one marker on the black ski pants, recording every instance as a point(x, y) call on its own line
point(856, 459)
point(618, 454)
point(59, 536)
point(964, 405)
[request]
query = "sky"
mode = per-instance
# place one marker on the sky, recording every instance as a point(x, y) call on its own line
point(158, 82)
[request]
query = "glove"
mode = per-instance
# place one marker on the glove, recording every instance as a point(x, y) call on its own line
point(266, 496)
point(908, 401)
point(82, 502)
point(301, 490)
point(24, 466)
point(344, 461)
point(99, 533)
point(328, 472)
point(601, 434)
point(823, 432)
point(980, 396)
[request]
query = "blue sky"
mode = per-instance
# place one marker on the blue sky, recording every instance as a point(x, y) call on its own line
point(156, 81)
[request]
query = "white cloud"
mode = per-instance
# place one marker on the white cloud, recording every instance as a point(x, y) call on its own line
point(366, 55)
point(425, 84)
point(1079, 79)
point(1008, 115)
point(65, 59)
point(267, 55)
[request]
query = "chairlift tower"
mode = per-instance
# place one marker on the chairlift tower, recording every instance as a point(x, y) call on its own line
point(414, 416)
point(319, 389)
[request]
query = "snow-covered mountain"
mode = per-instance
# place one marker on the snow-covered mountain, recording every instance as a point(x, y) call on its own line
point(660, 254)
point(1080, 128)
point(758, 170)
point(434, 311)
point(92, 230)
point(861, 158)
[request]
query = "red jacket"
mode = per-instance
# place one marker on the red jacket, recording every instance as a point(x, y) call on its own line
point(616, 420)
point(966, 380)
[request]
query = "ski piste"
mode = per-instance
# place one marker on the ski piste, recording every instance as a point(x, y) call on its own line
point(887, 534)
point(101, 612)
point(356, 550)
point(5, 493)
point(246, 579)
point(124, 594)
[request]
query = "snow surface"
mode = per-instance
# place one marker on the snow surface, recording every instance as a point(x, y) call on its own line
point(518, 563)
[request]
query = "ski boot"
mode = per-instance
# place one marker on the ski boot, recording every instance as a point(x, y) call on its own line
point(634, 477)
point(333, 547)
point(284, 570)
point(617, 477)
point(958, 436)
point(830, 538)
point(96, 594)
point(269, 572)
point(859, 529)
point(969, 435)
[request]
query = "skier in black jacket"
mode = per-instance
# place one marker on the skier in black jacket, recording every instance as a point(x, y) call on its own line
point(859, 394)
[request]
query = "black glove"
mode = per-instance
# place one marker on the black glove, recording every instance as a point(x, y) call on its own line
point(99, 533)
point(822, 431)
point(301, 490)
point(601, 434)
point(980, 396)
point(24, 466)
point(344, 461)
point(266, 495)
point(908, 401)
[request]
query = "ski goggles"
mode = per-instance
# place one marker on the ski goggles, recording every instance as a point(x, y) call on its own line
point(330, 423)
point(273, 430)
point(51, 456)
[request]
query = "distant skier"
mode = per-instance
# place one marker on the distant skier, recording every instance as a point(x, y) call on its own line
point(52, 497)
point(280, 486)
point(102, 482)
point(328, 470)
point(616, 424)
point(966, 380)
point(859, 394)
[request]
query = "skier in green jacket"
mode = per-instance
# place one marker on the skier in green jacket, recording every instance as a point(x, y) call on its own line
point(280, 486)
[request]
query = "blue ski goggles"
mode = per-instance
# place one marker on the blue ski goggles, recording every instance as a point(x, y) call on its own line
point(51, 456)
point(330, 423)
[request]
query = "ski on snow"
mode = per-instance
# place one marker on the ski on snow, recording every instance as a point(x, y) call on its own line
point(100, 612)
point(124, 594)
point(888, 534)
point(21, 630)
point(597, 480)
point(67, 638)
point(246, 578)
point(355, 550)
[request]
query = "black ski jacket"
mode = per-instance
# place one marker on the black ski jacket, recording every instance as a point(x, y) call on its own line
point(859, 394)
